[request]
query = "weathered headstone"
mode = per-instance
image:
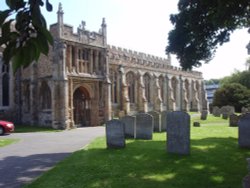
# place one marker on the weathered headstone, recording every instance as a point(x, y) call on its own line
point(227, 111)
point(164, 120)
point(144, 126)
point(157, 120)
point(244, 131)
point(216, 111)
point(178, 132)
point(115, 136)
point(196, 124)
point(130, 126)
point(204, 114)
point(233, 120)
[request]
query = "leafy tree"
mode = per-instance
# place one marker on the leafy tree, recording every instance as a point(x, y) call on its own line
point(212, 81)
point(232, 94)
point(242, 78)
point(202, 25)
point(24, 33)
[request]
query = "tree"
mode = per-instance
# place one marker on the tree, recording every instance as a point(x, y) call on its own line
point(232, 94)
point(202, 25)
point(238, 77)
point(25, 36)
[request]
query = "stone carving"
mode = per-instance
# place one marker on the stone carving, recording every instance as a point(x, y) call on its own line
point(164, 120)
point(144, 126)
point(233, 120)
point(130, 126)
point(244, 131)
point(157, 120)
point(216, 111)
point(115, 136)
point(178, 132)
point(204, 114)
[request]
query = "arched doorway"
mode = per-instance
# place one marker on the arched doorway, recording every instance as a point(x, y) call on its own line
point(82, 106)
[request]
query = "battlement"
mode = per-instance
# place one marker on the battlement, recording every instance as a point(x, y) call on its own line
point(118, 54)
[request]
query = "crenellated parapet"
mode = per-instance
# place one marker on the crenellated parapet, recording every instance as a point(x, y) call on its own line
point(139, 60)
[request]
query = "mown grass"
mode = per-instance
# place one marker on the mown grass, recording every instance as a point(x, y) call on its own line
point(7, 141)
point(29, 128)
point(215, 161)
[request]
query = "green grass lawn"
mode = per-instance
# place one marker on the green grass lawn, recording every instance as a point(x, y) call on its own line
point(29, 128)
point(215, 161)
point(7, 141)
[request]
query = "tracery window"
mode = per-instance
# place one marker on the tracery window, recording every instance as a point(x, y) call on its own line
point(45, 96)
point(130, 79)
point(5, 85)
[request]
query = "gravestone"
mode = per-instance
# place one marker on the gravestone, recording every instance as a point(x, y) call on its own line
point(178, 132)
point(227, 111)
point(157, 120)
point(233, 120)
point(144, 126)
point(244, 110)
point(244, 131)
point(164, 120)
point(216, 111)
point(115, 136)
point(196, 124)
point(204, 114)
point(130, 124)
point(224, 116)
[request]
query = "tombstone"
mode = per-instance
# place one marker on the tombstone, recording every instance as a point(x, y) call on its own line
point(216, 111)
point(115, 136)
point(164, 120)
point(157, 120)
point(246, 179)
point(144, 126)
point(178, 132)
point(233, 120)
point(196, 124)
point(130, 124)
point(227, 111)
point(244, 110)
point(224, 116)
point(204, 114)
point(244, 131)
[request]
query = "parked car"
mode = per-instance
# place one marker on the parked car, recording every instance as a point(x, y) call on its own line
point(6, 127)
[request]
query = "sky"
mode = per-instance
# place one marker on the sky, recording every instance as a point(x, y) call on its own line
point(143, 25)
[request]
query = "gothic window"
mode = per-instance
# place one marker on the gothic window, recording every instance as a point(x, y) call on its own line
point(26, 97)
point(5, 85)
point(161, 84)
point(45, 96)
point(146, 78)
point(130, 79)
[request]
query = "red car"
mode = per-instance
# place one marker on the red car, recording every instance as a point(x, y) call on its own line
point(6, 127)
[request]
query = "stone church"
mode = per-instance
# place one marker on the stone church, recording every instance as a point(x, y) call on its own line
point(85, 82)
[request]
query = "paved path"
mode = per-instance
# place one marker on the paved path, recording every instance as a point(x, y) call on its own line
point(36, 153)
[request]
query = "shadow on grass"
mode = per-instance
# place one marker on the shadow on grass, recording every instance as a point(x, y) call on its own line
point(214, 162)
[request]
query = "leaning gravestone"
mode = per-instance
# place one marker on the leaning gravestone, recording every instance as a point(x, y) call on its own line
point(233, 120)
point(144, 126)
point(244, 131)
point(178, 133)
point(216, 111)
point(164, 120)
point(115, 136)
point(130, 124)
point(157, 120)
point(204, 114)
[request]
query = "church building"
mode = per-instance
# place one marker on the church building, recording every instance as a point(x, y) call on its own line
point(85, 82)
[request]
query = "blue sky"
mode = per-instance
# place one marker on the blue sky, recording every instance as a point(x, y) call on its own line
point(143, 25)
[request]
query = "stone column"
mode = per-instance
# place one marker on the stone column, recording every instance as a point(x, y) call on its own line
point(142, 101)
point(184, 100)
point(125, 99)
point(178, 100)
point(158, 100)
point(76, 59)
point(195, 99)
point(204, 97)
point(170, 97)
point(91, 61)
point(97, 61)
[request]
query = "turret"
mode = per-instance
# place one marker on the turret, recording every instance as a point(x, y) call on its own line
point(60, 19)
point(104, 32)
